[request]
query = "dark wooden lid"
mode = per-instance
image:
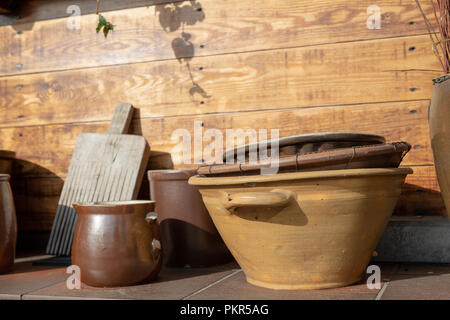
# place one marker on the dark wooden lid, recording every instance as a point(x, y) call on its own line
point(373, 156)
point(332, 138)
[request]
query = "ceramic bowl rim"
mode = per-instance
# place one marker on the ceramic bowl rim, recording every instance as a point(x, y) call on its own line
point(323, 174)
point(113, 203)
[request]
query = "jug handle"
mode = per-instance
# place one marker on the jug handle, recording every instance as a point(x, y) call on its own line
point(151, 219)
point(277, 197)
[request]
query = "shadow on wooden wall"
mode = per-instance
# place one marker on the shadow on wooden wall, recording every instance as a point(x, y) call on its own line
point(172, 18)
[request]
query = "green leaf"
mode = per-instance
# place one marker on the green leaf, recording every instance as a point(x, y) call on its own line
point(101, 19)
point(105, 31)
point(99, 27)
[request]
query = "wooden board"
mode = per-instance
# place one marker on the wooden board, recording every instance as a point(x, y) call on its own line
point(104, 167)
point(36, 199)
point(47, 149)
point(421, 195)
point(37, 10)
point(349, 73)
point(146, 33)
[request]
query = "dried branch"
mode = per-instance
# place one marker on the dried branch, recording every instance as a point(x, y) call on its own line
point(441, 39)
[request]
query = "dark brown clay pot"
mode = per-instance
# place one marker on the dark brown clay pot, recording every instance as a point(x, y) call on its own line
point(189, 237)
point(8, 225)
point(439, 118)
point(6, 159)
point(117, 243)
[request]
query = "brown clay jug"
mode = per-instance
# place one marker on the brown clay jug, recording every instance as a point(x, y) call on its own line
point(117, 243)
point(8, 225)
point(439, 118)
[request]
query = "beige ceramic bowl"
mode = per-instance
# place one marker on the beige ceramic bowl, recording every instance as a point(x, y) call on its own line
point(303, 230)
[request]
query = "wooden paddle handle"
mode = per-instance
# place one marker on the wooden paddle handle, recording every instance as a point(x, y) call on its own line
point(121, 120)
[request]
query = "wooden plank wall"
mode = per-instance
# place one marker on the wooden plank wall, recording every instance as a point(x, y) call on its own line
point(298, 65)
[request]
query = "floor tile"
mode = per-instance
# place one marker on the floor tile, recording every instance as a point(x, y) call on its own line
point(418, 287)
point(26, 278)
point(172, 283)
point(236, 287)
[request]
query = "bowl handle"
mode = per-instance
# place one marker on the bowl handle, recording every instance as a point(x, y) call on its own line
point(277, 197)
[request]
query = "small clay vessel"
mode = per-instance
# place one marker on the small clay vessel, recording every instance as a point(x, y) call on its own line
point(189, 237)
point(8, 225)
point(303, 230)
point(439, 118)
point(6, 159)
point(117, 243)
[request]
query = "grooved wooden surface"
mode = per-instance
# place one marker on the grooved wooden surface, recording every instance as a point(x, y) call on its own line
point(334, 74)
point(146, 33)
point(48, 149)
point(103, 167)
point(37, 10)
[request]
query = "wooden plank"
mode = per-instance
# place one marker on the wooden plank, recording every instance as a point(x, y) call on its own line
point(48, 149)
point(400, 121)
point(37, 10)
point(121, 120)
point(148, 33)
point(421, 195)
point(349, 73)
point(36, 200)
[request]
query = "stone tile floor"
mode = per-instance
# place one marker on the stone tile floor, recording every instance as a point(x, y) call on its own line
point(399, 281)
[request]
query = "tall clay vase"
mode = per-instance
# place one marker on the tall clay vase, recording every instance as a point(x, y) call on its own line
point(8, 225)
point(439, 118)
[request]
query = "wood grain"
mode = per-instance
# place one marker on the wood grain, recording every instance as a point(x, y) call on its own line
point(348, 73)
point(37, 10)
point(147, 33)
point(421, 194)
point(36, 200)
point(48, 149)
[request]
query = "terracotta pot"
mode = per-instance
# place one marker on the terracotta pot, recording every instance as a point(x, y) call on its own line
point(117, 243)
point(188, 234)
point(439, 118)
point(8, 225)
point(303, 230)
